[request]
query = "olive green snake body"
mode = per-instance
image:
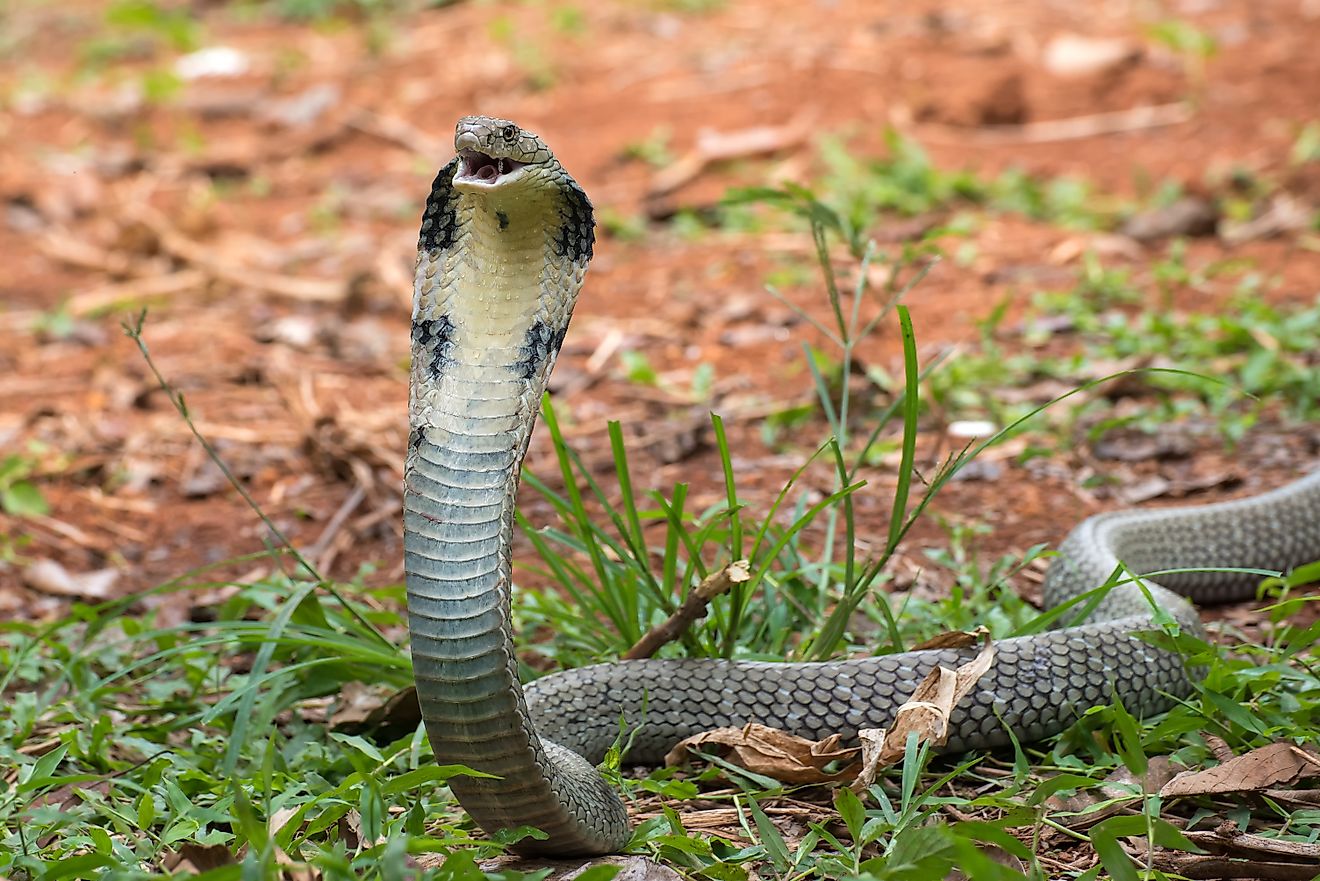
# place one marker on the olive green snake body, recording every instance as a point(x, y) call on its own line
point(505, 241)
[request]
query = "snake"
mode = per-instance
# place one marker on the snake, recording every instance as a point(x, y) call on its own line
point(506, 237)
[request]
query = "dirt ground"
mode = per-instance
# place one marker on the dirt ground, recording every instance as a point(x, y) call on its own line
point(268, 216)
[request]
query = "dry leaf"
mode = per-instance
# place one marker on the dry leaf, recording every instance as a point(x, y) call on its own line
point(873, 744)
point(279, 818)
point(927, 711)
point(1199, 866)
point(769, 751)
point(357, 702)
point(631, 868)
point(291, 868)
point(194, 859)
point(1277, 764)
point(953, 639)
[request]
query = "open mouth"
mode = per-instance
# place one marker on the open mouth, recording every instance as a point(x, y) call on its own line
point(482, 169)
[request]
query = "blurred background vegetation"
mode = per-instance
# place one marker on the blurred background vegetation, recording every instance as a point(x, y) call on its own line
point(1046, 195)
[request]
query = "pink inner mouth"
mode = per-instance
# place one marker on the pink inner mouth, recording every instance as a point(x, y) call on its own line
point(486, 169)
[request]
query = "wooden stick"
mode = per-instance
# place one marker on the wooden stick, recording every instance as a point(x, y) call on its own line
point(1071, 129)
point(320, 551)
point(205, 258)
point(693, 609)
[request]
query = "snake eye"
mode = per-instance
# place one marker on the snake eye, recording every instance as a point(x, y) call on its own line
point(510, 133)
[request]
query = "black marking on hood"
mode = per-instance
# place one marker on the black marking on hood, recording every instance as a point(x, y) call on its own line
point(439, 218)
point(539, 348)
point(503, 220)
point(431, 337)
point(415, 437)
point(577, 229)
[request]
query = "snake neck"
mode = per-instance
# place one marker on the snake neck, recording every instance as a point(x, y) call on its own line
point(495, 286)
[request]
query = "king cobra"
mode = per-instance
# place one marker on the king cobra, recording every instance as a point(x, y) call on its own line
point(505, 241)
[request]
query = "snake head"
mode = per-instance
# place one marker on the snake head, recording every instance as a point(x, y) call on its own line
point(495, 153)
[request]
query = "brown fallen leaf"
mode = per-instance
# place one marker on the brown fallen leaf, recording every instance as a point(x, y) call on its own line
point(873, 746)
point(194, 859)
point(386, 717)
point(1294, 798)
point(953, 639)
point(792, 759)
point(292, 869)
point(1277, 764)
point(631, 868)
point(356, 703)
point(926, 713)
point(774, 753)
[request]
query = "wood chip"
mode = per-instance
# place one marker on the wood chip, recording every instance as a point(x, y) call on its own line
point(50, 577)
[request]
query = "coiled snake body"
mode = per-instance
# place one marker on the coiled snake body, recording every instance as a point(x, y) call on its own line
point(505, 241)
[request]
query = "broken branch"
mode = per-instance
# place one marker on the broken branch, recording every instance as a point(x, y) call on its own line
point(692, 609)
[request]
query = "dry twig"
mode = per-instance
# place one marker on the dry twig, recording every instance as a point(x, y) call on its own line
point(693, 609)
point(217, 265)
point(1073, 128)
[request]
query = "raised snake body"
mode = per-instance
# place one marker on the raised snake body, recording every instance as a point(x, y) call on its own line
point(505, 241)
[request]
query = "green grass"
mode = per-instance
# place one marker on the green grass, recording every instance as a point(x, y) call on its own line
point(905, 182)
point(126, 742)
point(1261, 355)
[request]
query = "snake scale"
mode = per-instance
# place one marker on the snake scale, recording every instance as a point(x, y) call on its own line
point(505, 241)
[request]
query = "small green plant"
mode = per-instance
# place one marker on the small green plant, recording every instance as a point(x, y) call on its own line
point(527, 53)
point(1307, 146)
point(1192, 45)
point(624, 227)
point(905, 182)
point(1262, 354)
point(637, 368)
point(655, 150)
point(177, 28)
point(19, 496)
point(326, 11)
point(569, 21)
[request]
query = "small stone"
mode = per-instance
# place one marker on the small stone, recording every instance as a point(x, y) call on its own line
point(1074, 55)
point(969, 429)
point(49, 577)
point(214, 61)
point(1189, 216)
